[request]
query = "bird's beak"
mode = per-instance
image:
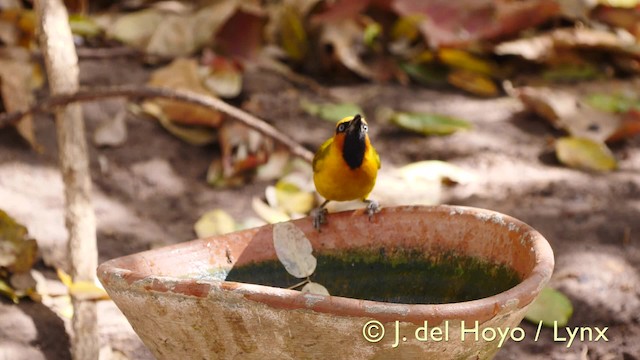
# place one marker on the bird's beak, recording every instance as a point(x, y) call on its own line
point(355, 126)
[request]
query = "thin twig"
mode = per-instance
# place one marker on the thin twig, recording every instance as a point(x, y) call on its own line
point(108, 52)
point(140, 92)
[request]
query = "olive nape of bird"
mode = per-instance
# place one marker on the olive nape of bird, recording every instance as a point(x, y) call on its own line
point(345, 167)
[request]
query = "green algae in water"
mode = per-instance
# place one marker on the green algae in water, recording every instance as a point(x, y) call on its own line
point(406, 277)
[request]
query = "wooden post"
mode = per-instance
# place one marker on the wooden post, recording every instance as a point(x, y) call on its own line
point(61, 61)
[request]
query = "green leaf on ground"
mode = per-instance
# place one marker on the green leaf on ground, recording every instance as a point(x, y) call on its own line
point(551, 307)
point(426, 74)
point(83, 26)
point(583, 153)
point(572, 72)
point(329, 111)
point(430, 124)
point(615, 103)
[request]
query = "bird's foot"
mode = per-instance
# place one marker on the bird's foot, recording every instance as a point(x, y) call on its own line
point(372, 207)
point(319, 216)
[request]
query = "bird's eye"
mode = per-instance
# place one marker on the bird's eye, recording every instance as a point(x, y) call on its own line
point(365, 128)
point(341, 127)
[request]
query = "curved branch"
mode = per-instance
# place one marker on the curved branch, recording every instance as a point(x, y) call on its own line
point(146, 92)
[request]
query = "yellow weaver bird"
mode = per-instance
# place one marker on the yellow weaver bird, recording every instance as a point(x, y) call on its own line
point(345, 167)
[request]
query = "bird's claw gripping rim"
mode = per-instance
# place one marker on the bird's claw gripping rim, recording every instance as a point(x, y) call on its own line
point(372, 208)
point(319, 216)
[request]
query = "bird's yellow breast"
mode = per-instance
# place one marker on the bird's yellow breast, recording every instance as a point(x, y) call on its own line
point(335, 180)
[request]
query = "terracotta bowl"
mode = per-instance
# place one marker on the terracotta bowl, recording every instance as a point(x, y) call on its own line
point(181, 311)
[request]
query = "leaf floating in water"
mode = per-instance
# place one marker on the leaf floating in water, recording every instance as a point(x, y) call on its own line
point(585, 153)
point(315, 288)
point(293, 250)
point(329, 111)
point(430, 124)
point(551, 307)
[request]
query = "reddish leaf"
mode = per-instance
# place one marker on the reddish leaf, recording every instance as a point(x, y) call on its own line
point(241, 36)
point(630, 126)
point(183, 74)
point(243, 149)
point(628, 19)
point(341, 10)
point(455, 23)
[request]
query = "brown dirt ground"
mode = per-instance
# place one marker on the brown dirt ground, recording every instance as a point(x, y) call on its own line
point(150, 191)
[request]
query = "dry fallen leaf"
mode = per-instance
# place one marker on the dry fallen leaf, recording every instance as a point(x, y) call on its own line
point(545, 47)
point(267, 213)
point(293, 250)
point(630, 126)
point(292, 199)
point(565, 110)
point(17, 250)
point(473, 82)
point(460, 59)
point(293, 36)
point(171, 32)
point(243, 149)
point(82, 290)
point(241, 37)
point(15, 91)
point(136, 28)
point(184, 74)
point(583, 153)
point(448, 23)
point(213, 223)
point(275, 167)
point(315, 288)
point(346, 37)
point(113, 131)
point(221, 76)
point(194, 135)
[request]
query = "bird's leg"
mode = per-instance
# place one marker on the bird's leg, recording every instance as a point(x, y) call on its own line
point(319, 215)
point(372, 207)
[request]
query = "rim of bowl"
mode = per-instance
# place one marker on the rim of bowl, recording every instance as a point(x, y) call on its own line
point(517, 297)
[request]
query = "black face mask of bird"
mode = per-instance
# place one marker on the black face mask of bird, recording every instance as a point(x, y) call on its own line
point(354, 142)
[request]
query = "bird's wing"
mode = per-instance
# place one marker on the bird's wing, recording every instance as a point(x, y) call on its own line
point(321, 154)
point(377, 158)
